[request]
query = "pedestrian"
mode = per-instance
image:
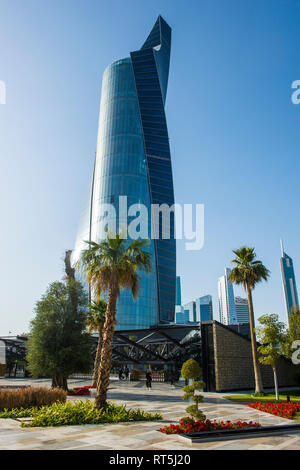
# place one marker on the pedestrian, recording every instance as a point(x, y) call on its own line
point(172, 377)
point(121, 374)
point(126, 371)
point(148, 379)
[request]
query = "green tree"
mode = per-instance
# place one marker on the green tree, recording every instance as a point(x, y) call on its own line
point(191, 370)
point(293, 332)
point(271, 334)
point(95, 321)
point(58, 344)
point(111, 266)
point(249, 272)
point(291, 345)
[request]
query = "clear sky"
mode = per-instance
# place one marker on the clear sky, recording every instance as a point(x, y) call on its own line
point(233, 129)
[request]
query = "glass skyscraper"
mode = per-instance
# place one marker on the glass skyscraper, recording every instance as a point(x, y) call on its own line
point(226, 300)
point(178, 290)
point(242, 310)
point(204, 308)
point(288, 282)
point(190, 311)
point(133, 160)
point(196, 311)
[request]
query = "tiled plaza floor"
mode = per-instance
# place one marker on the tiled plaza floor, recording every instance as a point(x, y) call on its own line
point(134, 436)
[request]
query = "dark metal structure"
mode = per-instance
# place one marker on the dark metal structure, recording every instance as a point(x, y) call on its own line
point(165, 347)
point(15, 352)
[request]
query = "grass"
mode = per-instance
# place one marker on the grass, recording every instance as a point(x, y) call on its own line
point(297, 417)
point(269, 397)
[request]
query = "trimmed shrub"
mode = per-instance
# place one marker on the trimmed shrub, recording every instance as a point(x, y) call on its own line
point(192, 370)
point(30, 397)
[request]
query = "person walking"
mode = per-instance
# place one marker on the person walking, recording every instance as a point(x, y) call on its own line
point(148, 379)
point(121, 374)
point(126, 372)
point(172, 377)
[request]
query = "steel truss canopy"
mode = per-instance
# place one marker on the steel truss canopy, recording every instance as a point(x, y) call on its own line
point(156, 346)
point(15, 348)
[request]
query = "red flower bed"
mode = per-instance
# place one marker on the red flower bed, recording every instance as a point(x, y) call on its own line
point(284, 410)
point(189, 425)
point(80, 391)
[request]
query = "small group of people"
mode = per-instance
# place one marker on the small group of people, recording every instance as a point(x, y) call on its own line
point(125, 372)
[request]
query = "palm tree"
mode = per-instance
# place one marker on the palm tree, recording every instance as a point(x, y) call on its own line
point(95, 321)
point(111, 266)
point(249, 271)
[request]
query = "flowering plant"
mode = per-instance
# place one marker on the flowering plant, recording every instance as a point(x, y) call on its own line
point(284, 410)
point(80, 391)
point(188, 425)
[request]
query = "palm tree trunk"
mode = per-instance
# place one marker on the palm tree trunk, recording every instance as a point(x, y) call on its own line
point(97, 359)
point(257, 371)
point(106, 351)
point(276, 382)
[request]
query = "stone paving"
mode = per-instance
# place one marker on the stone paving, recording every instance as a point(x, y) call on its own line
point(162, 398)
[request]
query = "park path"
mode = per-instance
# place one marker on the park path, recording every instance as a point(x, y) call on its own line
point(162, 398)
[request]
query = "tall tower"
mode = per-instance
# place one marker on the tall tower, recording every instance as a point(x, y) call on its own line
point(133, 161)
point(226, 300)
point(288, 282)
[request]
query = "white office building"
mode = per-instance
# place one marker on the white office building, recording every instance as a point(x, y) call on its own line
point(226, 300)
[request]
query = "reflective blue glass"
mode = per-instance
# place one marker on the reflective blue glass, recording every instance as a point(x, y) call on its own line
point(133, 160)
point(289, 283)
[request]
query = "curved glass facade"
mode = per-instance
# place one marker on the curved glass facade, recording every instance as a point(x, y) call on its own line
point(133, 160)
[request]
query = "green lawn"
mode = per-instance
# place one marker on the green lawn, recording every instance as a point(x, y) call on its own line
point(294, 395)
point(297, 417)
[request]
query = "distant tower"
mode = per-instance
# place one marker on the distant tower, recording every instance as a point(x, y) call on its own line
point(226, 300)
point(242, 310)
point(190, 311)
point(204, 308)
point(178, 290)
point(288, 282)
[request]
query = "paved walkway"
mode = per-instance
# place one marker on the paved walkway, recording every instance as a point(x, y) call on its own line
point(134, 436)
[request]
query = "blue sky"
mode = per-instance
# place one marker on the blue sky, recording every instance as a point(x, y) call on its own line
point(233, 129)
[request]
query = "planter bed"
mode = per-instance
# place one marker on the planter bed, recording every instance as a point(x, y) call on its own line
point(285, 410)
point(224, 435)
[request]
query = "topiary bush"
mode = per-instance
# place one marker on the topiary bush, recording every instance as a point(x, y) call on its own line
point(30, 397)
point(192, 370)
